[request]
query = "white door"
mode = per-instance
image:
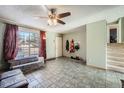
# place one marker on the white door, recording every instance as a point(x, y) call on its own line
point(58, 46)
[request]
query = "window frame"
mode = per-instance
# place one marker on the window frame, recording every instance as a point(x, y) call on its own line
point(29, 31)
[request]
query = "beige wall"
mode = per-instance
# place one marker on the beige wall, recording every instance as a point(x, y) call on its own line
point(51, 44)
point(96, 44)
point(78, 35)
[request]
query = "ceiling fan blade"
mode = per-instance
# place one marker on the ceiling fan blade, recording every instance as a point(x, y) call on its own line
point(60, 21)
point(64, 15)
point(42, 17)
point(37, 17)
point(45, 8)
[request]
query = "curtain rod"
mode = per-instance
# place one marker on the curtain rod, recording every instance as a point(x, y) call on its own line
point(4, 20)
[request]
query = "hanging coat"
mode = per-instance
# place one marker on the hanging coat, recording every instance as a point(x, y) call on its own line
point(72, 49)
point(67, 45)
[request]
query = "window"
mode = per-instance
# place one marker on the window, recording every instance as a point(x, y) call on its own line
point(28, 44)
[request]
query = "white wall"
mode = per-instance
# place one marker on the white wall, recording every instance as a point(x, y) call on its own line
point(119, 24)
point(50, 44)
point(2, 29)
point(121, 29)
point(78, 35)
point(96, 44)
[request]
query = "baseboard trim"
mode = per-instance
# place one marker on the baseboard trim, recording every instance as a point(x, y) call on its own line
point(96, 67)
point(49, 59)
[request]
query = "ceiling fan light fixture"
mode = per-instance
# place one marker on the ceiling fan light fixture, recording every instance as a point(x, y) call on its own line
point(55, 21)
point(53, 17)
point(50, 22)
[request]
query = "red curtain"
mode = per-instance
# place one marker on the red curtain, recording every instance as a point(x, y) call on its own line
point(10, 42)
point(42, 49)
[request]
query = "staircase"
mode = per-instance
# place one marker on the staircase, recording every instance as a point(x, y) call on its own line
point(115, 57)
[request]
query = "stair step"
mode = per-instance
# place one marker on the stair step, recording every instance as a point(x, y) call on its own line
point(115, 44)
point(115, 53)
point(115, 68)
point(115, 63)
point(115, 50)
point(115, 58)
point(111, 47)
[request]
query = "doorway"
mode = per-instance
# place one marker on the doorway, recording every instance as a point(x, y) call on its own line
point(58, 46)
point(113, 35)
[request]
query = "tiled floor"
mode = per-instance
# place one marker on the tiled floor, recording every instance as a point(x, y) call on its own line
point(66, 73)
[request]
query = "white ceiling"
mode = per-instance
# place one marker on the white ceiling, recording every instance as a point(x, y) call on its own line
point(24, 14)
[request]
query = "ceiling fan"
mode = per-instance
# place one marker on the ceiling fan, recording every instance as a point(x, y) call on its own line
point(53, 17)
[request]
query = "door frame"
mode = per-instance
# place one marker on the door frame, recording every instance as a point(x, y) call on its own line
point(113, 26)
